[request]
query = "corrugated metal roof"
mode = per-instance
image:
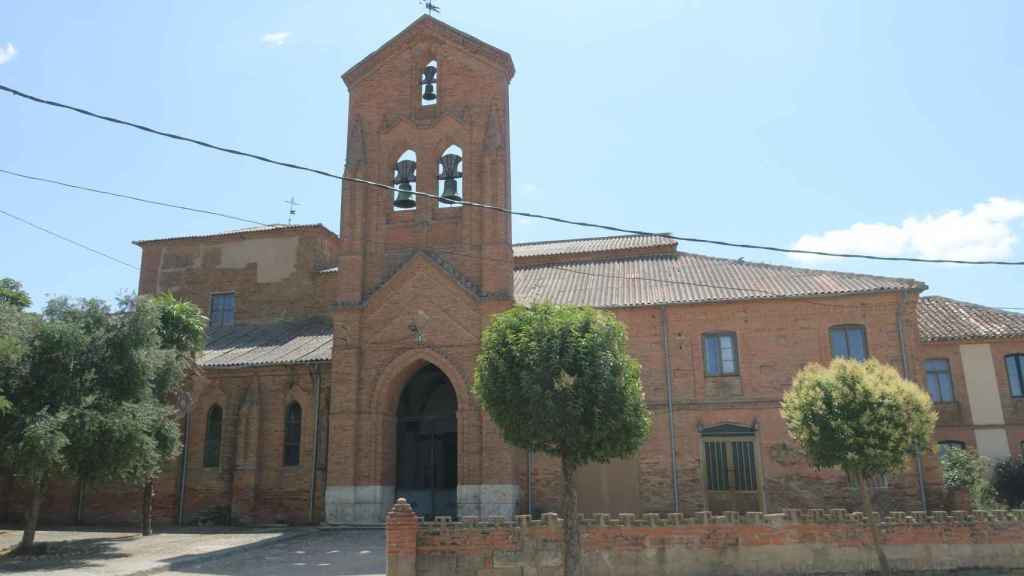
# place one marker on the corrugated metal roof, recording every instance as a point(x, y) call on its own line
point(686, 278)
point(941, 318)
point(584, 245)
point(286, 342)
point(255, 230)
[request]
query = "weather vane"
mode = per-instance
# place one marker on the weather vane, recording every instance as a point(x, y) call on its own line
point(430, 6)
point(291, 209)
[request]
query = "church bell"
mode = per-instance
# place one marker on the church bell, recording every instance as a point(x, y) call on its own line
point(429, 80)
point(406, 173)
point(449, 174)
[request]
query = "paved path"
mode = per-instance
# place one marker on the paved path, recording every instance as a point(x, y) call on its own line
point(328, 552)
point(107, 553)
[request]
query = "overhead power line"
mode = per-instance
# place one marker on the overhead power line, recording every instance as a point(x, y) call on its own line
point(136, 198)
point(581, 223)
point(66, 239)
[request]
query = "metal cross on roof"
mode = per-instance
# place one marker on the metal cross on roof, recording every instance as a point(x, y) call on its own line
point(430, 6)
point(291, 208)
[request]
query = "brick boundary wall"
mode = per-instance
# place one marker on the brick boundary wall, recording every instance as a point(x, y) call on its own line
point(795, 542)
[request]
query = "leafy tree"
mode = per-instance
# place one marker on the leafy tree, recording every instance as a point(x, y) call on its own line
point(966, 470)
point(13, 294)
point(558, 379)
point(862, 417)
point(48, 372)
point(1008, 481)
point(89, 390)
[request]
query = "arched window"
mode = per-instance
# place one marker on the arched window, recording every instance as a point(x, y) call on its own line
point(428, 84)
point(292, 434)
point(211, 448)
point(405, 180)
point(449, 171)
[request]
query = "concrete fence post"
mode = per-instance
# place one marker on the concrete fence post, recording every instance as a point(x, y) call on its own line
point(401, 539)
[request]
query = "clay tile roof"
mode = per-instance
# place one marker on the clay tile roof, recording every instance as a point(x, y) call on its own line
point(686, 278)
point(253, 231)
point(589, 245)
point(284, 342)
point(942, 318)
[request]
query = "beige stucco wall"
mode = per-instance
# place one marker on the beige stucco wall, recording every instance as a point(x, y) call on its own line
point(275, 258)
point(983, 396)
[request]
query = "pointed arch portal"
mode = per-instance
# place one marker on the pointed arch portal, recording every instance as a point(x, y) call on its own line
point(427, 444)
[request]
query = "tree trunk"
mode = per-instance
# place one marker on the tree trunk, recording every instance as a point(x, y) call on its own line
point(28, 537)
point(572, 562)
point(876, 536)
point(148, 492)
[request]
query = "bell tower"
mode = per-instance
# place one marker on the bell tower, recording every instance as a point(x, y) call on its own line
point(419, 278)
point(428, 112)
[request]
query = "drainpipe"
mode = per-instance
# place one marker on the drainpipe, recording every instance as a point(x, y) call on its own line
point(668, 396)
point(314, 374)
point(906, 374)
point(183, 471)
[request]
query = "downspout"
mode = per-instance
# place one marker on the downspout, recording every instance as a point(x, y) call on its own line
point(183, 470)
point(906, 374)
point(314, 374)
point(668, 397)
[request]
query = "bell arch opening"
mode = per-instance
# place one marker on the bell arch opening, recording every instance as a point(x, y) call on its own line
point(427, 444)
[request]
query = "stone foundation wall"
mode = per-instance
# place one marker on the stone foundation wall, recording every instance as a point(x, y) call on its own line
point(794, 542)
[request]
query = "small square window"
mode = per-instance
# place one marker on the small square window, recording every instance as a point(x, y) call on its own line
point(849, 341)
point(222, 309)
point(720, 358)
point(940, 379)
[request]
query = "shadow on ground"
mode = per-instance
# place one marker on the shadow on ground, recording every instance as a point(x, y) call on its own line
point(324, 552)
point(65, 554)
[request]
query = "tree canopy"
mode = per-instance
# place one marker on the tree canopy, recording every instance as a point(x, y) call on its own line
point(862, 417)
point(558, 379)
point(12, 293)
point(87, 389)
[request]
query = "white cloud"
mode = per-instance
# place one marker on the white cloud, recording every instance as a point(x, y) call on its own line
point(7, 53)
point(985, 232)
point(274, 39)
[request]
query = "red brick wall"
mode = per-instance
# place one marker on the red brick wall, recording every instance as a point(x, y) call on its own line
point(794, 542)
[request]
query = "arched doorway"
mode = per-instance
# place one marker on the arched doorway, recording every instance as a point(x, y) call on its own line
point(427, 444)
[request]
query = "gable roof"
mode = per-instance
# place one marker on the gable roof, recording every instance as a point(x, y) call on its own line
point(604, 247)
point(944, 319)
point(276, 343)
point(682, 278)
point(430, 25)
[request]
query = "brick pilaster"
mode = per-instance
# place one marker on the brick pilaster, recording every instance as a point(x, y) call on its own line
point(401, 539)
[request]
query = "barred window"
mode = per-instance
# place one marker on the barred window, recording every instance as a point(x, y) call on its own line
point(945, 446)
point(211, 447)
point(940, 379)
point(730, 464)
point(292, 434)
point(720, 358)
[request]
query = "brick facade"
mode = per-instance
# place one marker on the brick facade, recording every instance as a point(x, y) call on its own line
point(405, 290)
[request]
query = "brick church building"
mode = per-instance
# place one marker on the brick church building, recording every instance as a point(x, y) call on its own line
point(337, 370)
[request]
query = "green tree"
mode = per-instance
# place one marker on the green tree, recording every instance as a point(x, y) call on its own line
point(558, 379)
point(48, 373)
point(149, 354)
point(966, 470)
point(13, 294)
point(1008, 481)
point(862, 417)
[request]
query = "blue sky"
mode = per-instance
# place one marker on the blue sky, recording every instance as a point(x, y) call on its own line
point(893, 128)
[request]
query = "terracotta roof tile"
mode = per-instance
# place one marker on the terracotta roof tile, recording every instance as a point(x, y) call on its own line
point(943, 319)
point(588, 245)
point(285, 342)
point(686, 278)
point(253, 231)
